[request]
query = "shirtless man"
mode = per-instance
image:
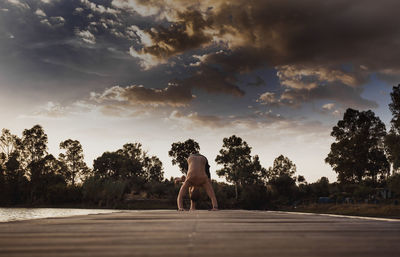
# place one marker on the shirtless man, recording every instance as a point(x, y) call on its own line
point(198, 176)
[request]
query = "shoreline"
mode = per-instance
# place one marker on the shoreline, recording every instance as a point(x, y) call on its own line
point(351, 210)
point(363, 210)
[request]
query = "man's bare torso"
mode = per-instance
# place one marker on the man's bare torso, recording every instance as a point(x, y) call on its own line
point(196, 175)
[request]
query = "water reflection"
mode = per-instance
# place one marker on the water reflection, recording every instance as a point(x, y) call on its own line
point(11, 214)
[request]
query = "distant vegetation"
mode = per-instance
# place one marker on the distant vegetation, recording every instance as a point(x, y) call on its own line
point(364, 155)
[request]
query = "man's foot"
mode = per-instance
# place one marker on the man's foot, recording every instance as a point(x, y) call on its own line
point(181, 209)
point(214, 209)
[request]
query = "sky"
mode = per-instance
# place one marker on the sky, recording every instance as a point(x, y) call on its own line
point(279, 74)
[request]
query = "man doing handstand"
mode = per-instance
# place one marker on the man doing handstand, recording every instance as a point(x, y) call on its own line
point(198, 175)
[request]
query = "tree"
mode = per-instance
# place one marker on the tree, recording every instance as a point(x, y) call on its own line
point(33, 145)
point(392, 140)
point(33, 150)
point(153, 169)
point(180, 151)
point(111, 165)
point(75, 166)
point(282, 177)
point(358, 150)
point(12, 180)
point(129, 163)
point(239, 167)
point(8, 143)
point(282, 166)
point(321, 187)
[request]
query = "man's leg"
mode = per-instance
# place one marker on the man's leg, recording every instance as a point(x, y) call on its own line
point(192, 203)
point(182, 193)
point(211, 194)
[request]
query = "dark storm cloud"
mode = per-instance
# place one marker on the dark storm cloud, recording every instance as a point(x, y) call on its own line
point(212, 80)
point(289, 32)
point(85, 42)
point(347, 96)
point(313, 34)
point(186, 34)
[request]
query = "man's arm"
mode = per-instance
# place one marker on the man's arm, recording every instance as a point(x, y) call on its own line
point(210, 192)
point(182, 193)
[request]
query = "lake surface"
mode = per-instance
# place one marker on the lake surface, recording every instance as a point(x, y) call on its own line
point(12, 214)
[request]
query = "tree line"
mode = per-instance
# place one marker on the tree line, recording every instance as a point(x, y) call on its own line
point(364, 155)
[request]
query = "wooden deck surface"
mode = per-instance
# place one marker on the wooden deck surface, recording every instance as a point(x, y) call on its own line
point(201, 233)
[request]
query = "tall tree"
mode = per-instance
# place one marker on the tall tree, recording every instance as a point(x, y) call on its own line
point(110, 165)
point(180, 151)
point(239, 167)
point(73, 159)
point(33, 152)
point(358, 150)
point(282, 166)
point(33, 144)
point(392, 140)
point(12, 180)
point(282, 177)
point(8, 143)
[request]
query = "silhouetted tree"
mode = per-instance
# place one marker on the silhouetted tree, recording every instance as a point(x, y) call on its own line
point(33, 145)
point(282, 177)
point(392, 139)
point(301, 179)
point(321, 187)
point(112, 165)
point(33, 150)
point(180, 151)
point(282, 166)
point(10, 171)
point(153, 169)
point(15, 183)
point(239, 167)
point(8, 143)
point(358, 150)
point(75, 166)
point(394, 184)
point(131, 163)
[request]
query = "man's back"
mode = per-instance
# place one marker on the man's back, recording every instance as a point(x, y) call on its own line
point(197, 169)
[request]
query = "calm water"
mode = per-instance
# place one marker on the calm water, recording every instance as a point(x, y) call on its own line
point(11, 214)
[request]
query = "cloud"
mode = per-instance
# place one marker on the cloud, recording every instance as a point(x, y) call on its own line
point(303, 84)
point(52, 110)
point(213, 81)
point(192, 120)
point(268, 98)
point(173, 95)
point(307, 41)
point(40, 13)
point(98, 8)
point(18, 3)
point(330, 108)
point(86, 36)
point(163, 42)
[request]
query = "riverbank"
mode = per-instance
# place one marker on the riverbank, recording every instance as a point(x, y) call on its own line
point(146, 204)
point(367, 210)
